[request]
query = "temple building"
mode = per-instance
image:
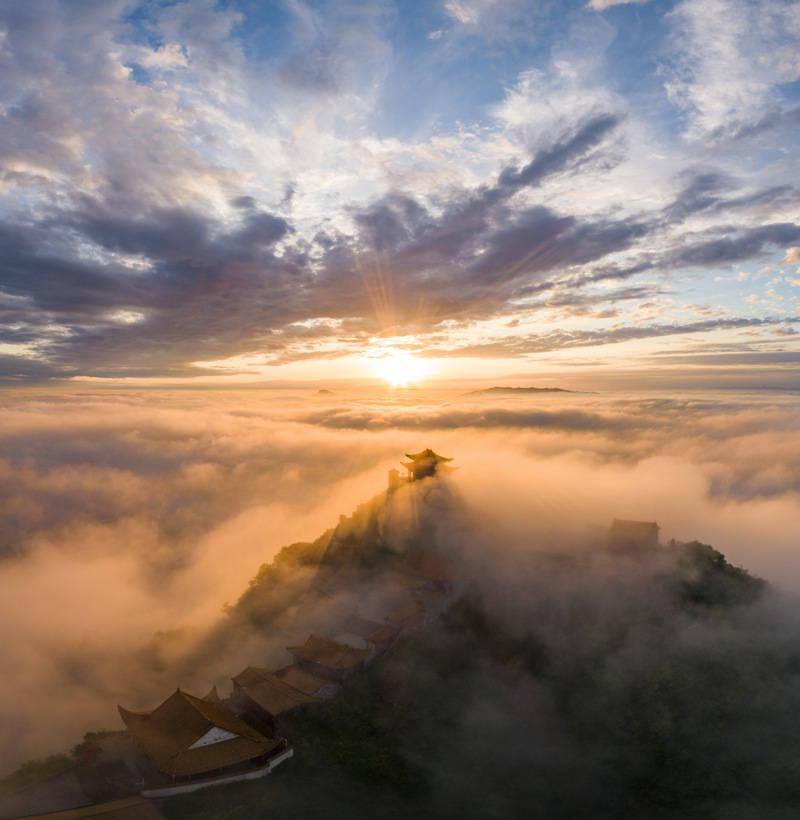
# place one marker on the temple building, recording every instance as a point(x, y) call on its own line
point(328, 659)
point(632, 536)
point(308, 683)
point(263, 698)
point(376, 637)
point(189, 739)
point(407, 614)
point(425, 464)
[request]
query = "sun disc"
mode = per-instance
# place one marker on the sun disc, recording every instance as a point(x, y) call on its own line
point(399, 368)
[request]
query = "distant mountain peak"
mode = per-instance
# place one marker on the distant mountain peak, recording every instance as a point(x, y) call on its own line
point(504, 389)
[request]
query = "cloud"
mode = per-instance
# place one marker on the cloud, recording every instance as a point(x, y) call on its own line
point(736, 247)
point(121, 195)
point(602, 5)
point(131, 518)
point(462, 12)
point(134, 513)
point(248, 288)
point(792, 257)
point(571, 420)
point(730, 60)
point(527, 344)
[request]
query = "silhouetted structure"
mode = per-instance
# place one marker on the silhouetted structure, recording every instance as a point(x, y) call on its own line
point(213, 695)
point(424, 464)
point(262, 697)
point(308, 683)
point(632, 535)
point(378, 636)
point(407, 614)
point(326, 658)
point(188, 737)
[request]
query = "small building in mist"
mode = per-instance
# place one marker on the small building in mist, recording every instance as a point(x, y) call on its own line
point(426, 569)
point(307, 682)
point(263, 699)
point(328, 659)
point(632, 536)
point(375, 637)
point(406, 614)
point(195, 742)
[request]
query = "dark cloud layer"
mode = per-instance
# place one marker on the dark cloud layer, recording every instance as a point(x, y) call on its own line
point(568, 420)
point(558, 339)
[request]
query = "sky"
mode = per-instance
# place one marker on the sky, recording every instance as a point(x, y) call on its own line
point(267, 198)
point(237, 191)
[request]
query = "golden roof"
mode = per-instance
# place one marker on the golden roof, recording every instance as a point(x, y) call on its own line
point(302, 680)
point(250, 676)
point(328, 653)
point(167, 733)
point(427, 453)
point(363, 628)
point(272, 694)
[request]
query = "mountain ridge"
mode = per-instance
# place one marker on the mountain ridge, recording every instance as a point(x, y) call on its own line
point(500, 389)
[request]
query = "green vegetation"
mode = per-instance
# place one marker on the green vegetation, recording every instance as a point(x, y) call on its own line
point(277, 584)
point(706, 578)
point(360, 734)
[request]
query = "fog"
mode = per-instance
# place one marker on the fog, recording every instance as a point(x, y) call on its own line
point(131, 513)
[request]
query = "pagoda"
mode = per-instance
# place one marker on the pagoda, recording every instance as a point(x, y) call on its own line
point(424, 464)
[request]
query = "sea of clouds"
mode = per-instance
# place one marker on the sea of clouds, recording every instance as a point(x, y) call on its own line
point(131, 513)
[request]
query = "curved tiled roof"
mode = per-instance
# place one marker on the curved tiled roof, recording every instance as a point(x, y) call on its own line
point(272, 694)
point(302, 680)
point(167, 733)
point(427, 453)
point(328, 653)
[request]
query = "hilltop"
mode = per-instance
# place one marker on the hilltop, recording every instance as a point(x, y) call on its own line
point(493, 709)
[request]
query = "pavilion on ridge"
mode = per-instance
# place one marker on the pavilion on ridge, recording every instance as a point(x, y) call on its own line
point(424, 464)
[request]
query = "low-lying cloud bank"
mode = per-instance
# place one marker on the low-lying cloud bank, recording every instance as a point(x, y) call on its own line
point(127, 514)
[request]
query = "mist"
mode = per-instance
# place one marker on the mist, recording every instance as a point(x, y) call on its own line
point(130, 519)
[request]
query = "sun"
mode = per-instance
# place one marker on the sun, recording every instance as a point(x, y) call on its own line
point(399, 368)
